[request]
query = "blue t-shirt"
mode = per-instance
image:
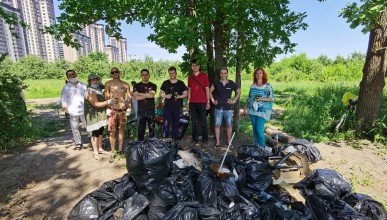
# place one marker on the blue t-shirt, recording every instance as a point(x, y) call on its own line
point(261, 109)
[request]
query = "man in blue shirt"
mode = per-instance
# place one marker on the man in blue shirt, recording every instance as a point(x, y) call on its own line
point(222, 100)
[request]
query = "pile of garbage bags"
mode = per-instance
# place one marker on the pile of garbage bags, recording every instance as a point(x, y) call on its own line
point(156, 187)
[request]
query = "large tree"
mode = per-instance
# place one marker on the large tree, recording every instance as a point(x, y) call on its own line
point(372, 15)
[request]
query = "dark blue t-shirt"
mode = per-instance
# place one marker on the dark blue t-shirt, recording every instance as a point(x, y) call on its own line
point(222, 93)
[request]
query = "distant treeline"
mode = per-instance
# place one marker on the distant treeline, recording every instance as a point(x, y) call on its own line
point(294, 68)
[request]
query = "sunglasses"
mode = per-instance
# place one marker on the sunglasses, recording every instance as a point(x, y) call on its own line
point(115, 72)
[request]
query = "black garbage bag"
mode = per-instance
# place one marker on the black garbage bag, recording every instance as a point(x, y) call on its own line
point(258, 177)
point(237, 207)
point(178, 187)
point(160, 202)
point(367, 206)
point(183, 211)
point(192, 211)
point(252, 152)
point(105, 200)
point(148, 163)
point(238, 168)
point(326, 183)
point(87, 208)
point(324, 190)
point(134, 206)
point(307, 149)
point(208, 187)
point(204, 157)
point(274, 211)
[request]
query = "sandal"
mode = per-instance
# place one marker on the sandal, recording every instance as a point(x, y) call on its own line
point(216, 147)
point(78, 147)
point(103, 152)
point(96, 156)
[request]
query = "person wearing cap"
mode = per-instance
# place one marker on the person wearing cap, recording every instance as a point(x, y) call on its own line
point(198, 103)
point(134, 101)
point(72, 101)
point(120, 91)
point(95, 114)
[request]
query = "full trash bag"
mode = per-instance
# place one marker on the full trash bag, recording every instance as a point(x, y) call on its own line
point(238, 168)
point(237, 207)
point(307, 149)
point(183, 211)
point(104, 201)
point(367, 206)
point(208, 187)
point(258, 177)
point(325, 183)
point(148, 163)
point(178, 187)
point(192, 211)
point(252, 152)
point(324, 190)
point(134, 206)
point(274, 211)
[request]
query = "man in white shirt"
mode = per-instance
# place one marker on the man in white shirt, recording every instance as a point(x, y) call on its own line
point(72, 99)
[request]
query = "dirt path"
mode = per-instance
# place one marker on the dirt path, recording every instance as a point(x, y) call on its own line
point(48, 178)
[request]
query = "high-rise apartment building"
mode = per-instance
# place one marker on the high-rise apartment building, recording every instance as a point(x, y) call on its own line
point(37, 14)
point(121, 44)
point(71, 54)
point(96, 32)
point(112, 53)
point(11, 38)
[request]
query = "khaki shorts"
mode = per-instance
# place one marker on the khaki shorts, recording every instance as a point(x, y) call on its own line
point(117, 120)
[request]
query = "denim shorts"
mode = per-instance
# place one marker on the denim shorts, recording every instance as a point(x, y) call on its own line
point(221, 114)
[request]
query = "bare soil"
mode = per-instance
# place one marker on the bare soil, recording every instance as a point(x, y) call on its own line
point(46, 179)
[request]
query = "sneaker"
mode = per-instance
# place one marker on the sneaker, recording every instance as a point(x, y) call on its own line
point(111, 160)
point(204, 144)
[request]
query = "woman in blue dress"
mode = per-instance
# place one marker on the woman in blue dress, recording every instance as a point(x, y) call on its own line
point(259, 105)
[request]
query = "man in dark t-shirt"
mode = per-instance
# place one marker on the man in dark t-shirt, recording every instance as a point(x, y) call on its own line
point(144, 92)
point(173, 91)
point(222, 100)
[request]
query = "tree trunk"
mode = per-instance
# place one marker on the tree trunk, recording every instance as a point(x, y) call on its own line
point(238, 79)
point(210, 70)
point(372, 84)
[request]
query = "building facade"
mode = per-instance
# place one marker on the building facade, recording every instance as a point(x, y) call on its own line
point(112, 53)
point(12, 42)
point(96, 32)
point(36, 14)
point(121, 44)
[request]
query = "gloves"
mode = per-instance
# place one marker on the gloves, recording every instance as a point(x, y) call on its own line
point(128, 111)
point(111, 101)
point(108, 112)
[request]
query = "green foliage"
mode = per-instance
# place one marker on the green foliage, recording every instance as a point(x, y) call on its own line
point(322, 69)
point(15, 128)
point(311, 113)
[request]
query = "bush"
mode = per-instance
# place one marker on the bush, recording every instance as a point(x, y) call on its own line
point(15, 128)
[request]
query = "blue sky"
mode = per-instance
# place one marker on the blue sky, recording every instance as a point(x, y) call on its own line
point(327, 34)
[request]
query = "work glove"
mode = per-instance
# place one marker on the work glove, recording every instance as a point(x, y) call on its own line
point(111, 101)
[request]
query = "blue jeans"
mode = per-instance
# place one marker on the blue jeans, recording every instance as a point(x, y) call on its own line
point(221, 114)
point(258, 124)
point(171, 117)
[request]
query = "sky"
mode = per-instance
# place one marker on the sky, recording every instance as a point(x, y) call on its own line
point(327, 34)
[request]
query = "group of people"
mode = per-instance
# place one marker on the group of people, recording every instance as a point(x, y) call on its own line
point(97, 105)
